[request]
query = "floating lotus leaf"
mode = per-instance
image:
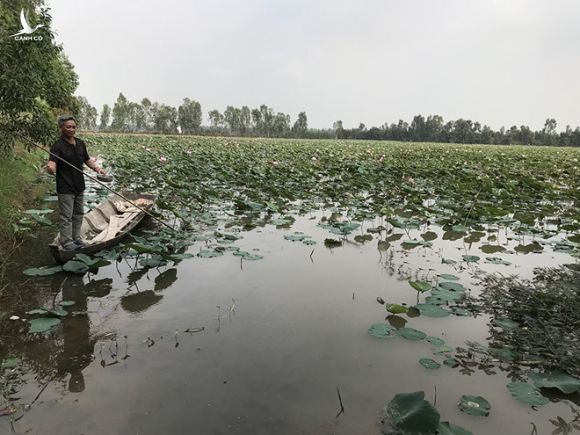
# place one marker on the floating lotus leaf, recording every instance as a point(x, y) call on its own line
point(454, 286)
point(381, 330)
point(91, 262)
point(458, 311)
point(206, 253)
point(527, 393)
point(492, 249)
point(394, 237)
point(453, 235)
point(296, 237)
point(74, 266)
point(37, 312)
point(413, 312)
point(474, 405)
point(383, 245)
point(429, 236)
point(450, 362)
point(442, 349)
point(363, 238)
point(560, 380)
point(396, 308)
point(154, 261)
point(412, 414)
point(448, 277)
point(42, 324)
point(309, 242)
point(420, 286)
point(470, 258)
point(332, 243)
point(445, 294)
point(497, 260)
point(178, 257)
point(527, 249)
point(66, 303)
point(436, 341)
point(411, 334)
point(429, 363)
point(474, 237)
point(396, 322)
point(430, 310)
point(447, 428)
point(42, 271)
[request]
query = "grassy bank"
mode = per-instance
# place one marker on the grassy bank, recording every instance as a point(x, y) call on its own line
point(19, 170)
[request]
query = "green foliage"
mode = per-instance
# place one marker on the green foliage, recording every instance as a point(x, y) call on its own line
point(527, 393)
point(381, 330)
point(36, 79)
point(189, 116)
point(412, 414)
point(474, 405)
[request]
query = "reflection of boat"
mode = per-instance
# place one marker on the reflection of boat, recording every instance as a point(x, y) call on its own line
point(107, 224)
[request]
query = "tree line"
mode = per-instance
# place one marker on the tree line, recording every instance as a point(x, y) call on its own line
point(153, 117)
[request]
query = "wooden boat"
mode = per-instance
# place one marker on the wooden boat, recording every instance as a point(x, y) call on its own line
point(105, 225)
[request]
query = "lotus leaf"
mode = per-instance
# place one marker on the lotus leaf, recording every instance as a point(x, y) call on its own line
point(474, 405)
point(412, 414)
point(527, 393)
point(381, 330)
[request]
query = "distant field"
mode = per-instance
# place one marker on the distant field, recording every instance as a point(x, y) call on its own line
point(456, 183)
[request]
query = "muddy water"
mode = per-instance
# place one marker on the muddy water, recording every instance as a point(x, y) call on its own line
point(222, 345)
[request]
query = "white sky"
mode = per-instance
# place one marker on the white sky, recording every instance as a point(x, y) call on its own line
point(499, 62)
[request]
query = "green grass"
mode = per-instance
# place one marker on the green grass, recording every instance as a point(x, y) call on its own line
point(19, 171)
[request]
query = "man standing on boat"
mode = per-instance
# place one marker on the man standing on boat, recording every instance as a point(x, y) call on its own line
point(70, 181)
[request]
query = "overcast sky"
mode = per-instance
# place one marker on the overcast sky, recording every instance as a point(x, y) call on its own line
point(500, 62)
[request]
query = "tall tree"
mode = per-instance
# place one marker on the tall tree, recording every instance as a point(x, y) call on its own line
point(146, 106)
point(36, 79)
point(86, 114)
point(280, 124)
point(105, 117)
point(120, 114)
point(338, 129)
point(216, 119)
point(189, 116)
point(245, 119)
point(232, 118)
point(164, 119)
point(300, 127)
point(549, 131)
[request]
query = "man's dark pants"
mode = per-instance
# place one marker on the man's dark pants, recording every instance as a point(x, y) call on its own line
point(70, 209)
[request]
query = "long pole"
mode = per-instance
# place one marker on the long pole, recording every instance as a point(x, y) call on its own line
point(94, 179)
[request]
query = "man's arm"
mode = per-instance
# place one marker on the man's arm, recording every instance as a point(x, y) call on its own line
point(91, 163)
point(51, 165)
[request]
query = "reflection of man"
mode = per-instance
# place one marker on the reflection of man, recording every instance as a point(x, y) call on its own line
point(78, 347)
point(70, 181)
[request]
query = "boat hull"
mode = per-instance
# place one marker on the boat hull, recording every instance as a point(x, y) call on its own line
point(106, 225)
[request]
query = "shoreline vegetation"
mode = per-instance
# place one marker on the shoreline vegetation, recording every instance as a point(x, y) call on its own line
point(19, 189)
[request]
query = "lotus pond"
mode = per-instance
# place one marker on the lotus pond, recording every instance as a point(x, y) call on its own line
point(313, 287)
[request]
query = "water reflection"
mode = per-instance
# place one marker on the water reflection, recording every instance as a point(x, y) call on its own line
point(78, 343)
point(139, 302)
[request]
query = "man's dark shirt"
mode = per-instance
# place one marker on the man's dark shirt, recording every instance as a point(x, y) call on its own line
point(67, 179)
